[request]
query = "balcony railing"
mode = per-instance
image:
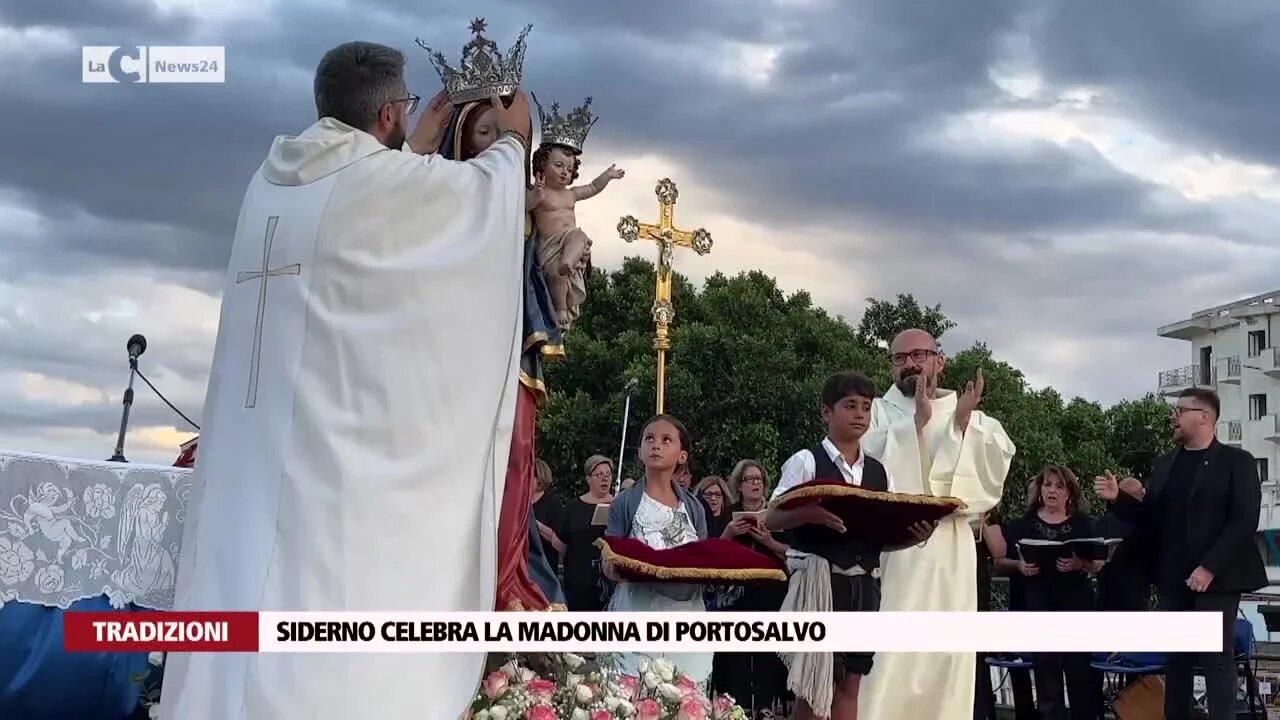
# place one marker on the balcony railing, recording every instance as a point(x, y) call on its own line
point(1269, 427)
point(1268, 361)
point(1228, 369)
point(1186, 377)
point(1231, 432)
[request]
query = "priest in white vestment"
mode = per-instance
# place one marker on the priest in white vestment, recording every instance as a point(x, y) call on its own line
point(934, 442)
point(359, 411)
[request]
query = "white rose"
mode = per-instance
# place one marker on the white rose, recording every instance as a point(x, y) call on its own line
point(665, 669)
point(580, 714)
point(573, 661)
point(498, 713)
point(482, 715)
point(155, 658)
point(527, 676)
point(651, 681)
point(573, 679)
point(625, 709)
point(583, 694)
point(669, 692)
point(153, 712)
point(644, 666)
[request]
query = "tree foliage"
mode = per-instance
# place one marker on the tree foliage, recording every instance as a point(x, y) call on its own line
point(746, 367)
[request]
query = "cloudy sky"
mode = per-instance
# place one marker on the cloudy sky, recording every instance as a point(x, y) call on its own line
point(1062, 176)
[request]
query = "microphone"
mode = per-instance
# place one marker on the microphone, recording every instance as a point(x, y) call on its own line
point(136, 346)
point(631, 385)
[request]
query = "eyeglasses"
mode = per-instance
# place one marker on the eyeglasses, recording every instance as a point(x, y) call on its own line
point(1177, 411)
point(413, 101)
point(916, 356)
point(752, 479)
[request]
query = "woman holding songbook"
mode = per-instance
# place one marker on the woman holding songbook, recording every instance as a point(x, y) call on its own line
point(757, 680)
point(581, 524)
point(1054, 549)
point(660, 513)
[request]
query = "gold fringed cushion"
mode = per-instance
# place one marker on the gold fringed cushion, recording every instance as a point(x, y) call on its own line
point(711, 561)
point(883, 518)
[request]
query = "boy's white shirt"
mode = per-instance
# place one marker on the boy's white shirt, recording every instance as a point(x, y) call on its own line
point(801, 468)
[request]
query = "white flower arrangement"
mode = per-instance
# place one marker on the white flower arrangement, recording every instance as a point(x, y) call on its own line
point(661, 692)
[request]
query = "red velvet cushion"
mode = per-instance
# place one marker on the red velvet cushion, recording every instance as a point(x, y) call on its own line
point(880, 517)
point(705, 561)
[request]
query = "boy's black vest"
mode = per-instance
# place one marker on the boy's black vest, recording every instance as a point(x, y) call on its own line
point(842, 550)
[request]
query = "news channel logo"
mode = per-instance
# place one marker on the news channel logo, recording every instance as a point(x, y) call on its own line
point(153, 64)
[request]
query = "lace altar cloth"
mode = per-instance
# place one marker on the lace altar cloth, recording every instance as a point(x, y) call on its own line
point(77, 529)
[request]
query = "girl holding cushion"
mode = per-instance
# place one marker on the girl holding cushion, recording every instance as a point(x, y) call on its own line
point(662, 515)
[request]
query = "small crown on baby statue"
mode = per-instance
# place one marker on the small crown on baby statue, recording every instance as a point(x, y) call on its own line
point(484, 71)
point(569, 130)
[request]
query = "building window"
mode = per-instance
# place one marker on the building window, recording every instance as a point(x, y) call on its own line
point(1263, 473)
point(1257, 342)
point(1257, 406)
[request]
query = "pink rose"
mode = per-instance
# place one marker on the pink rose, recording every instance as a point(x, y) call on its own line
point(722, 706)
point(687, 686)
point(541, 689)
point(601, 715)
point(630, 685)
point(648, 709)
point(542, 712)
point(692, 708)
point(495, 684)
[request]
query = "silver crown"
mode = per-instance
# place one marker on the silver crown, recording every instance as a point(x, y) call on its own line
point(483, 72)
point(570, 130)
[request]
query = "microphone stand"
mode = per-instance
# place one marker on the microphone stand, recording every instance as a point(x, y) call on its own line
point(124, 415)
point(622, 447)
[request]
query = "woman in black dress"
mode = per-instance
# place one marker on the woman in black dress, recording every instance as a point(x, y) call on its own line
point(1059, 513)
point(584, 589)
point(756, 680)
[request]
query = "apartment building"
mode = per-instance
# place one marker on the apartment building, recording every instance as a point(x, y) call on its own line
point(1235, 349)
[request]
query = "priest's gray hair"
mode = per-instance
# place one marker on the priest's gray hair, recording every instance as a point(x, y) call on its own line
point(354, 81)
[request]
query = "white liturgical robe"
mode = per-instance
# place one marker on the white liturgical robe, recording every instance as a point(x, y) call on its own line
point(941, 576)
point(357, 423)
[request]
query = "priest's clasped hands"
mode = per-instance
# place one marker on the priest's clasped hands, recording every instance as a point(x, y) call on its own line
point(1109, 488)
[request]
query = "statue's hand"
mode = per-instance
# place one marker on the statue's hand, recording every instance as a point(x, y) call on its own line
point(614, 172)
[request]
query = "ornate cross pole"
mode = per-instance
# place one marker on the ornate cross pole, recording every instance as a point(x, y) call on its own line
point(668, 238)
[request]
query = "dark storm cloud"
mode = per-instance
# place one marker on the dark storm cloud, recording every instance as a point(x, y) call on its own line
point(1202, 71)
point(844, 136)
point(835, 134)
point(94, 17)
point(837, 131)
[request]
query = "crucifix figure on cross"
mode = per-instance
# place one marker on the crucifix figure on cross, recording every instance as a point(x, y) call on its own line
point(267, 272)
point(668, 237)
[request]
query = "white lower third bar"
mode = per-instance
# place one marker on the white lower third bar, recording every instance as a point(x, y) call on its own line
point(917, 632)
point(186, 64)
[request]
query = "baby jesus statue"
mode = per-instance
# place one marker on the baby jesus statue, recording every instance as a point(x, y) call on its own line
point(565, 250)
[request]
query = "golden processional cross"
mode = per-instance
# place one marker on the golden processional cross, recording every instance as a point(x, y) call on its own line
point(668, 238)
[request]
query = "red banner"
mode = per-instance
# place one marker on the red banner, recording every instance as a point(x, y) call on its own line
point(160, 631)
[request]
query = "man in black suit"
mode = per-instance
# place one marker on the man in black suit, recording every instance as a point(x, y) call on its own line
point(1198, 519)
